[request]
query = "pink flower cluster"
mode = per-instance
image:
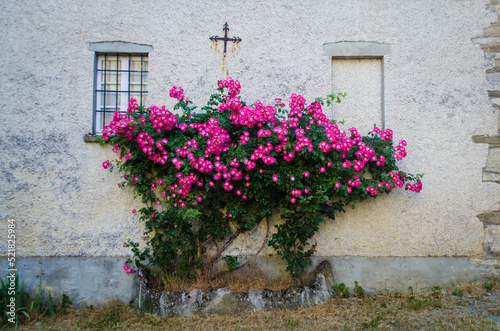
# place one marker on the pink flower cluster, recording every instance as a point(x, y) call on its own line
point(324, 146)
point(116, 148)
point(106, 164)
point(219, 138)
point(354, 183)
point(201, 164)
point(146, 144)
point(127, 269)
point(400, 150)
point(244, 138)
point(119, 125)
point(249, 116)
point(292, 139)
point(262, 152)
point(250, 164)
point(397, 179)
point(132, 106)
point(364, 155)
point(177, 92)
point(264, 133)
point(302, 141)
point(185, 183)
point(233, 86)
point(384, 135)
point(316, 112)
point(162, 119)
point(297, 104)
point(417, 187)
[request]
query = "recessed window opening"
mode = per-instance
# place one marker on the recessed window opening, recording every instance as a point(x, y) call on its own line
point(118, 78)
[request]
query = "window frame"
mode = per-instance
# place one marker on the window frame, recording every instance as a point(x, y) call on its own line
point(362, 50)
point(117, 49)
point(124, 85)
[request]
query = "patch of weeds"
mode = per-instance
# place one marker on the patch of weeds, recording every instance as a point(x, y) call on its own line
point(436, 291)
point(488, 285)
point(413, 303)
point(341, 290)
point(360, 292)
point(292, 324)
point(66, 302)
point(457, 292)
point(231, 261)
point(372, 324)
point(28, 306)
point(435, 303)
point(21, 298)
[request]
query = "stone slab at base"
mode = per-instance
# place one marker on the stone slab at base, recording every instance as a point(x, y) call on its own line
point(94, 280)
point(224, 302)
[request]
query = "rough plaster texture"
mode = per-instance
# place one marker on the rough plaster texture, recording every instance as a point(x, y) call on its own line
point(65, 204)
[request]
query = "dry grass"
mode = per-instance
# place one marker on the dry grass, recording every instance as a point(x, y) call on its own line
point(459, 307)
point(236, 282)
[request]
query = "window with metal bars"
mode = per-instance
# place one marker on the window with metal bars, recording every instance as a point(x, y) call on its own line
point(118, 78)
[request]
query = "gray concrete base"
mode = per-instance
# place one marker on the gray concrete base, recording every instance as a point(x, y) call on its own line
point(90, 280)
point(377, 274)
point(93, 280)
point(398, 273)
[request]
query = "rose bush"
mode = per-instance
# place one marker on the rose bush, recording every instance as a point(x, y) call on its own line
point(206, 177)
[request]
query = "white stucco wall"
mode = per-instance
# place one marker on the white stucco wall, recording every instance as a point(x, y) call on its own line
point(65, 204)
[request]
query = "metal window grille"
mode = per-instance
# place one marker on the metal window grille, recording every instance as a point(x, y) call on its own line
point(118, 78)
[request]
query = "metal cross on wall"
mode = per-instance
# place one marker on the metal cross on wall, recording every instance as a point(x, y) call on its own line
point(225, 39)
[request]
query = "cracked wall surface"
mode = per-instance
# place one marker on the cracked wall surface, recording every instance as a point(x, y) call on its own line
point(436, 98)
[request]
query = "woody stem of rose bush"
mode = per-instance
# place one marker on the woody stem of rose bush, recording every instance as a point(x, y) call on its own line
point(225, 272)
point(216, 257)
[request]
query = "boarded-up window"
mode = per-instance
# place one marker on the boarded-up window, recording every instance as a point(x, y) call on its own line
point(361, 80)
point(358, 71)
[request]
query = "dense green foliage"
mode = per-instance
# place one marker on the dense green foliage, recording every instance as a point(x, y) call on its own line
point(207, 176)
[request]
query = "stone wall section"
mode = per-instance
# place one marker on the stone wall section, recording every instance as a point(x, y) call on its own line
point(225, 302)
point(489, 42)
